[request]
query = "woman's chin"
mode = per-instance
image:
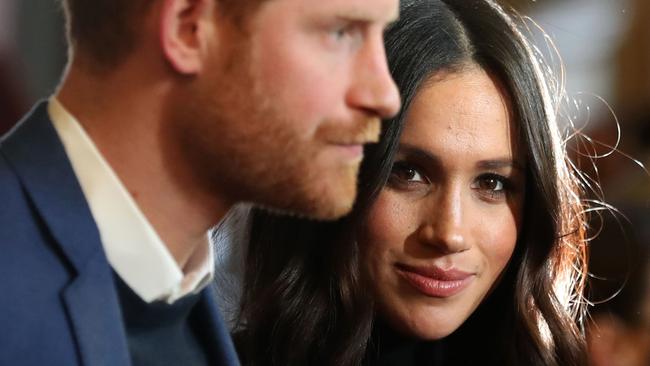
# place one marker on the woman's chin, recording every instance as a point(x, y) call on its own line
point(432, 334)
point(426, 328)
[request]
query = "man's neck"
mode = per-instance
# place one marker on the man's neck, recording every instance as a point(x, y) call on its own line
point(123, 114)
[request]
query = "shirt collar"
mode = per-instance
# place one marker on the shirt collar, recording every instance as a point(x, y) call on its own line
point(133, 248)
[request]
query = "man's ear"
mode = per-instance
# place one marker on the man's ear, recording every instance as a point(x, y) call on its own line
point(185, 29)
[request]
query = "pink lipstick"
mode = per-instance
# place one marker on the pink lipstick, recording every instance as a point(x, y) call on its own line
point(435, 281)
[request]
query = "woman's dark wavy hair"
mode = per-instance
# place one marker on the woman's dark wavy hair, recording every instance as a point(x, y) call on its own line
point(304, 300)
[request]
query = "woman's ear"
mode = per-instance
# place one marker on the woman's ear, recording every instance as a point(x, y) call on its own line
point(186, 28)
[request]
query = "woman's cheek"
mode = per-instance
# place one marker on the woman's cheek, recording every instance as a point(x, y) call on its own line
point(388, 223)
point(499, 239)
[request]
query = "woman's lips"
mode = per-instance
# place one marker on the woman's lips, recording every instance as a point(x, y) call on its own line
point(434, 281)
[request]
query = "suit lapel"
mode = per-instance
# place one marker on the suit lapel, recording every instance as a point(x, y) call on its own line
point(37, 155)
point(96, 317)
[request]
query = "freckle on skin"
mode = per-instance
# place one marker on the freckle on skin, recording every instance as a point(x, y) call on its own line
point(401, 217)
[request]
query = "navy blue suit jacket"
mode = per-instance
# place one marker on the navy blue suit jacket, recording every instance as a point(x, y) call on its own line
point(58, 302)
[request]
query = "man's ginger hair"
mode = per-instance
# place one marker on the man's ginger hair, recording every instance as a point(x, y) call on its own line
point(107, 30)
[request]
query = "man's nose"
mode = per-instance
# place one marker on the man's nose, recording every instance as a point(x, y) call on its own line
point(374, 89)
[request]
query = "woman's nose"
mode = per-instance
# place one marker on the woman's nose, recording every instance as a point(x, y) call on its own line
point(444, 226)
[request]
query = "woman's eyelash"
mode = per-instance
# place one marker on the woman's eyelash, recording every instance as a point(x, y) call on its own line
point(491, 179)
point(494, 187)
point(491, 186)
point(406, 173)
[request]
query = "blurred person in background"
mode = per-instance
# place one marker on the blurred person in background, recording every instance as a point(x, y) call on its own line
point(170, 112)
point(619, 329)
point(619, 333)
point(12, 98)
point(12, 102)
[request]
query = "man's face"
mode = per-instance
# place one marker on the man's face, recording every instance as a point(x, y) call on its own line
point(280, 115)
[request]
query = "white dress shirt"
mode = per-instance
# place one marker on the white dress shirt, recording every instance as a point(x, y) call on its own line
point(133, 248)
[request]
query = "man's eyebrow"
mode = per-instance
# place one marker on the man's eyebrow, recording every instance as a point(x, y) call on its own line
point(364, 16)
point(363, 20)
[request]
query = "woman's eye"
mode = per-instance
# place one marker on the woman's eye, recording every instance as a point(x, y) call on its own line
point(492, 186)
point(406, 173)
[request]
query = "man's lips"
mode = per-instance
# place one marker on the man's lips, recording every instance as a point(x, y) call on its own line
point(357, 133)
point(357, 149)
point(349, 150)
point(434, 281)
point(351, 143)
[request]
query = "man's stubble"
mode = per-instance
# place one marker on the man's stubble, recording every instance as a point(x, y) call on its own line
point(244, 147)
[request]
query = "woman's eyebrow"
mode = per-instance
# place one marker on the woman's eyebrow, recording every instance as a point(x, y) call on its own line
point(498, 163)
point(417, 153)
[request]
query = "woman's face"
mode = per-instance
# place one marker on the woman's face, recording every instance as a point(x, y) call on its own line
point(445, 226)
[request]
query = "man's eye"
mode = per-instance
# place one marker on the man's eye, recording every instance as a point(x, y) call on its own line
point(340, 32)
point(347, 33)
point(406, 173)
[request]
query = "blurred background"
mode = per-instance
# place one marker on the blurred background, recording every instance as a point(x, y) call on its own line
point(605, 49)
